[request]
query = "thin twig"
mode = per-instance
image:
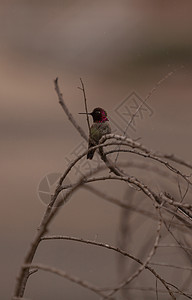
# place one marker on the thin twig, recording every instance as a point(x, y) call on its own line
point(156, 289)
point(71, 278)
point(174, 237)
point(186, 268)
point(114, 249)
point(182, 199)
point(85, 102)
point(174, 246)
point(145, 100)
point(128, 206)
point(149, 95)
point(176, 159)
point(136, 274)
point(147, 154)
point(66, 110)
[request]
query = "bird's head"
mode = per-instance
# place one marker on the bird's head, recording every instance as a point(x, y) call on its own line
point(99, 115)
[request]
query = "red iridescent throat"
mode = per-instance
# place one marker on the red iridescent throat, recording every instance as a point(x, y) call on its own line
point(104, 118)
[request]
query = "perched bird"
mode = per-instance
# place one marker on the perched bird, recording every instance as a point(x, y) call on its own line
point(99, 128)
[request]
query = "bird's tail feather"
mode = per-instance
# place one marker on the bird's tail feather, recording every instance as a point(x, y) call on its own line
point(90, 152)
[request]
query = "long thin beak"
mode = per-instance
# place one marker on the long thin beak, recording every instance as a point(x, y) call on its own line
point(84, 113)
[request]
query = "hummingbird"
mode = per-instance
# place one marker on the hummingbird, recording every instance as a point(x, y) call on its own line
point(99, 128)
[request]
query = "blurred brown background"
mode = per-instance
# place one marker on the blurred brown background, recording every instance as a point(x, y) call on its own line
point(117, 47)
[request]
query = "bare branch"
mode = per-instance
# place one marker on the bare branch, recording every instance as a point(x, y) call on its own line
point(71, 278)
point(114, 249)
point(149, 95)
point(145, 100)
point(171, 266)
point(66, 110)
point(176, 159)
point(164, 203)
point(85, 102)
point(142, 267)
